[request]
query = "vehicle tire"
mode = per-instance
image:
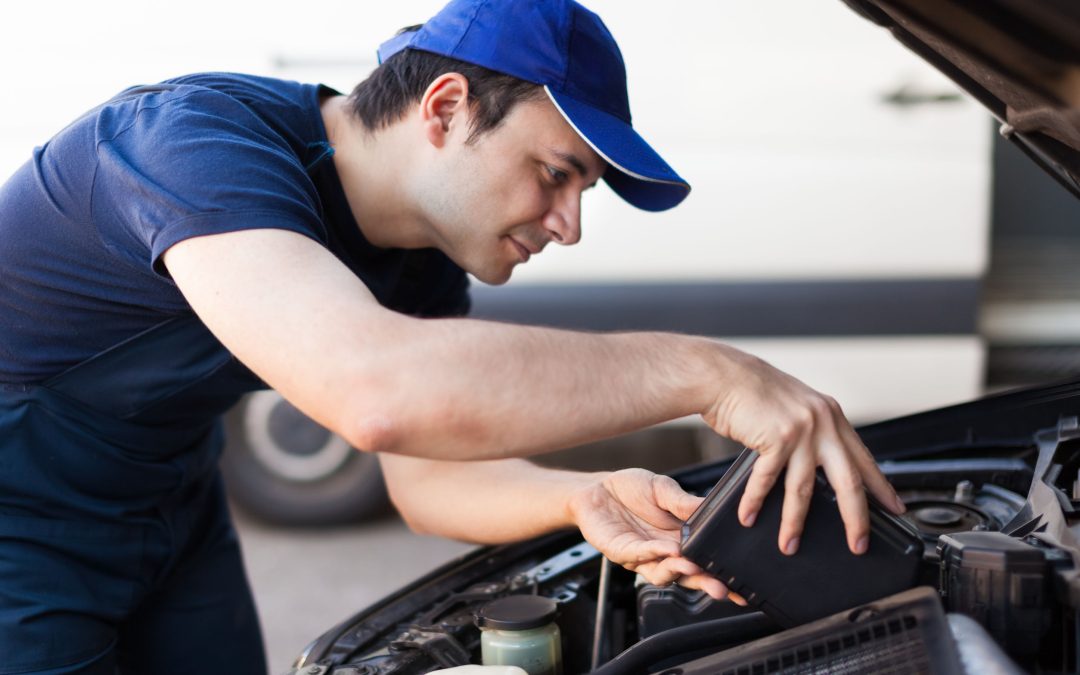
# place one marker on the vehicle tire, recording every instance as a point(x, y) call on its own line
point(282, 467)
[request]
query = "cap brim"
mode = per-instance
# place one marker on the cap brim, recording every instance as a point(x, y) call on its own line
point(395, 45)
point(641, 177)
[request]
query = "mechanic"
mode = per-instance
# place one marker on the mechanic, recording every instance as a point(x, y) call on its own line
point(190, 241)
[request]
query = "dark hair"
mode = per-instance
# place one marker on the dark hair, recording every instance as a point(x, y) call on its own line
point(384, 97)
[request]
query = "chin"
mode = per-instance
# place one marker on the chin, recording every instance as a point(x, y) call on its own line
point(493, 271)
point(495, 277)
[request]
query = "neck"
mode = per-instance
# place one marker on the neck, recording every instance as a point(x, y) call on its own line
point(371, 167)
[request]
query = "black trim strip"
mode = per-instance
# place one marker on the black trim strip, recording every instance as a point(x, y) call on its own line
point(743, 309)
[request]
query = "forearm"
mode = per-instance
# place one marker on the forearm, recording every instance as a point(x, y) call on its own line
point(443, 388)
point(464, 389)
point(460, 389)
point(485, 502)
point(633, 517)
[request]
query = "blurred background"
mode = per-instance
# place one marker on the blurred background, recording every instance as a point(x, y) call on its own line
point(855, 220)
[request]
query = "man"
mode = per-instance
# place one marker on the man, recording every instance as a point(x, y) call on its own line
point(193, 240)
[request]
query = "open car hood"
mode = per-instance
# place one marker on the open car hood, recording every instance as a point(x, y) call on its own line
point(1019, 58)
point(990, 485)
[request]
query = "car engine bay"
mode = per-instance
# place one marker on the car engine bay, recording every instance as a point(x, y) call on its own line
point(996, 588)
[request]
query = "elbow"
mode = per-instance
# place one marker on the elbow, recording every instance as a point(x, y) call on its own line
point(402, 497)
point(397, 430)
point(371, 423)
point(371, 432)
point(415, 525)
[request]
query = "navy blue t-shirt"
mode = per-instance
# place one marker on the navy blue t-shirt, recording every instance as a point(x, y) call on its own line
point(84, 222)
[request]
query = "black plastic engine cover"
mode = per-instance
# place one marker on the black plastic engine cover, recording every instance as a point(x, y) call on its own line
point(1002, 583)
point(823, 577)
point(661, 608)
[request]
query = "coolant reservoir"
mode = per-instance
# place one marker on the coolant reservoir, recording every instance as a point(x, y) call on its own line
point(519, 630)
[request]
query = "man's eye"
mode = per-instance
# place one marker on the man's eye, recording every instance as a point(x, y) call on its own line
point(558, 175)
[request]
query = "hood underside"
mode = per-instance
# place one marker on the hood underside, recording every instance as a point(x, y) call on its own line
point(1019, 58)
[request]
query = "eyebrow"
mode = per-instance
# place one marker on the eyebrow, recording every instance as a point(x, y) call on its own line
point(572, 160)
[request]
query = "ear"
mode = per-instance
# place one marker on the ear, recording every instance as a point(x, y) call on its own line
point(444, 108)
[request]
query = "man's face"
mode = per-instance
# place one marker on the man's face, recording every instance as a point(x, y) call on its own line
point(498, 201)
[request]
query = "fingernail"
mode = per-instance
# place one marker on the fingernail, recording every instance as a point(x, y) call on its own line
point(792, 546)
point(862, 545)
point(900, 506)
point(749, 520)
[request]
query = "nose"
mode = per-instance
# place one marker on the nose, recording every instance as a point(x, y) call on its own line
point(563, 219)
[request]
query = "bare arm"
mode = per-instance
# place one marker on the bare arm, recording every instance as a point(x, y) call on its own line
point(634, 517)
point(444, 388)
point(460, 389)
point(483, 502)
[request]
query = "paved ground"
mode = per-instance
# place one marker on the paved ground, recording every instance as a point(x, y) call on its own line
point(305, 581)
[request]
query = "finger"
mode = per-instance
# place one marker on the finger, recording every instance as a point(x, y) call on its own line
point(636, 489)
point(712, 586)
point(666, 571)
point(798, 489)
point(678, 566)
point(762, 478)
point(658, 575)
point(850, 497)
point(875, 481)
point(673, 499)
point(638, 551)
point(737, 599)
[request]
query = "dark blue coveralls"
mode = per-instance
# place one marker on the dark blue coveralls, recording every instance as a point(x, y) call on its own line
point(116, 549)
point(115, 530)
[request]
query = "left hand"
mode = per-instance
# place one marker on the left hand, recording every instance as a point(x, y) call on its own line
point(634, 518)
point(796, 428)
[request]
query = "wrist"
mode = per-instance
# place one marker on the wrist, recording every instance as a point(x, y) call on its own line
point(718, 368)
point(587, 496)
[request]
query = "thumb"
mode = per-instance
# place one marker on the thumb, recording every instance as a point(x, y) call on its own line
point(675, 500)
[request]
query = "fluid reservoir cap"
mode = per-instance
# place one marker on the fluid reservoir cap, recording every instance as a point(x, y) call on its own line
point(517, 612)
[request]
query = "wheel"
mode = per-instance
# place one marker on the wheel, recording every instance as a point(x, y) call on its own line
point(282, 467)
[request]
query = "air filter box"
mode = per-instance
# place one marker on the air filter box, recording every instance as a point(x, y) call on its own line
point(823, 577)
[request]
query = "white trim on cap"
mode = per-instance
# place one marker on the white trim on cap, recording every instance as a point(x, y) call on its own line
point(600, 152)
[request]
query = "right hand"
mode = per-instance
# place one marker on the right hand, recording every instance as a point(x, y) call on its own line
point(634, 518)
point(789, 424)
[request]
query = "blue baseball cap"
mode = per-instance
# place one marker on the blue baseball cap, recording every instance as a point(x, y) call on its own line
point(568, 50)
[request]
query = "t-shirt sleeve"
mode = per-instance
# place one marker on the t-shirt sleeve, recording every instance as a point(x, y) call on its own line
point(191, 162)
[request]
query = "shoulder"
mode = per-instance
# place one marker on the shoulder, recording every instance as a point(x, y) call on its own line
point(251, 90)
point(201, 161)
point(277, 110)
